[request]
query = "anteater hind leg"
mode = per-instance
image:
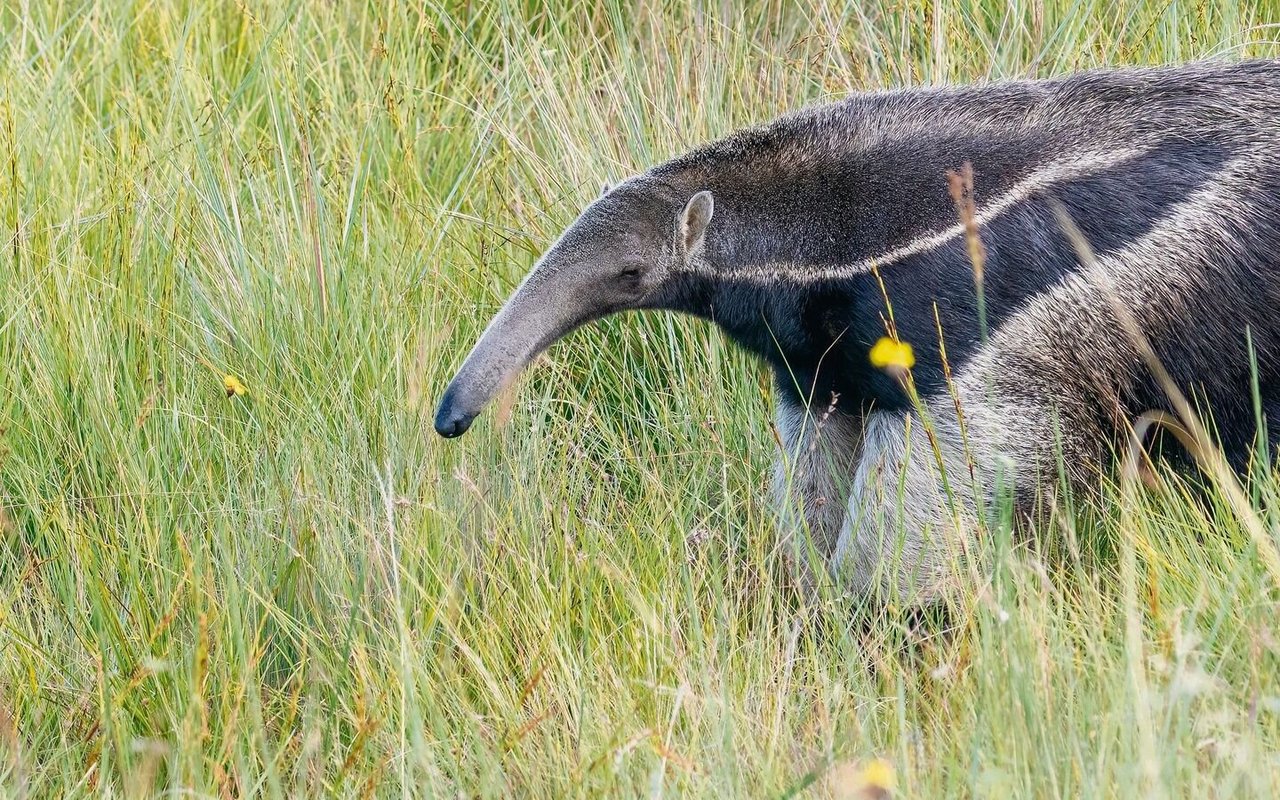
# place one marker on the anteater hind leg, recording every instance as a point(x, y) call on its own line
point(811, 483)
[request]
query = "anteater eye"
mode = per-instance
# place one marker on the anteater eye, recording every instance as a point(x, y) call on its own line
point(630, 273)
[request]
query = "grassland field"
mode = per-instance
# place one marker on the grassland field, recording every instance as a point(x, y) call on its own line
point(298, 590)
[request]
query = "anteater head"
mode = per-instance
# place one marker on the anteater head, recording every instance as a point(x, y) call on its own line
point(625, 251)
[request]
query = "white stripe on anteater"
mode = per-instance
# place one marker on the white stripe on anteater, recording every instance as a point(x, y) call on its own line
point(1082, 165)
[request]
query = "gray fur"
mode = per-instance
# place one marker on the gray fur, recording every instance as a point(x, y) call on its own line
point(782, 235)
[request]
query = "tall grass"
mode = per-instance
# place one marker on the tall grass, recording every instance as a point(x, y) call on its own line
point(301, 591)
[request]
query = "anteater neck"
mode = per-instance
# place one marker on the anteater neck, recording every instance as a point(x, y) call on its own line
point(815, 337)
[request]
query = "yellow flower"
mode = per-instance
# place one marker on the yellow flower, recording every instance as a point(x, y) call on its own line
point(892, 354)
point(869, 780)
point(234, 386)
point(877, 775)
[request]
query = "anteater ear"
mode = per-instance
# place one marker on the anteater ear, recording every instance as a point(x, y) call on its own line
point(604, 189)
point(693, 222)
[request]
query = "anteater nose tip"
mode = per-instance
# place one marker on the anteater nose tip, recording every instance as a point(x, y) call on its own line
point(448, 429)
point(451, 424)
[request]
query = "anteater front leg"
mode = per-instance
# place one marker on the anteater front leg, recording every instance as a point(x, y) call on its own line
point(812, 476)
point(911, 511)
